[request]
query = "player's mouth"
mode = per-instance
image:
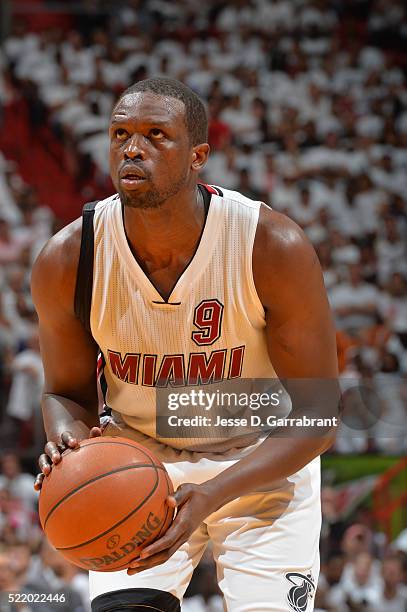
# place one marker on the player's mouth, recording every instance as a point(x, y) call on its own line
point(131, 181)
point(131, 177)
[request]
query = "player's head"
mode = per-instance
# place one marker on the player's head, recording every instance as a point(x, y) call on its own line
point(158, 134)
point(10, 465)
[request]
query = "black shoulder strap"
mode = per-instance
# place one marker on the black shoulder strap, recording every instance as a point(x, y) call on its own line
point(206, 196)
point(84, 275)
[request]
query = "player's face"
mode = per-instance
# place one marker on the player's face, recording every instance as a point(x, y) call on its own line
point(150, 150)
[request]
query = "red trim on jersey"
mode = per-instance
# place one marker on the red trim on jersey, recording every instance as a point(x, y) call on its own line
point(209, 188)
point(99, 365)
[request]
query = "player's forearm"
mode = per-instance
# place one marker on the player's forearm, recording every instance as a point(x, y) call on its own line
point(309, 433)
point(62, 414)
point(274, 460)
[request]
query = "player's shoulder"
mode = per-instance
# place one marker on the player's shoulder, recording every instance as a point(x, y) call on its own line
point(280, 248)
point(234, 196)
point(61, 252)
point(276, 232)
point(54, 270)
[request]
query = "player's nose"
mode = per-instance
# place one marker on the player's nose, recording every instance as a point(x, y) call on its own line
point(134, 148)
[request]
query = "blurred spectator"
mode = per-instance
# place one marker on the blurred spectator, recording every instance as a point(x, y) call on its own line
point(391, 249)
point(27, 381)
point(356, 539)
point(354, 302)
point(11, 245)
point(394, 305)
point(389, 430)
point(219, 134)
point(245, 186)
point(8, 577)
point(359, 585)
point(19, 484)
point(20, 560)
point(331, 572)
point(393, 594)
point(18, 305)
point(304, 211)
point(47, 574)
point(15, 519)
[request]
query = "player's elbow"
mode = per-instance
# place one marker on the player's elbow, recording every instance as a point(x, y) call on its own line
point(328, 440)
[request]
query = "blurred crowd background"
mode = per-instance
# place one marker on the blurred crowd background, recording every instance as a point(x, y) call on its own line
point(307, 112)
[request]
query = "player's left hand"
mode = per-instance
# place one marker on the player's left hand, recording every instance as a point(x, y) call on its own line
point(194, 503)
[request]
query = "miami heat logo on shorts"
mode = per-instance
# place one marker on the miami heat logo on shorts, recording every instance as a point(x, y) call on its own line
point(301, 592)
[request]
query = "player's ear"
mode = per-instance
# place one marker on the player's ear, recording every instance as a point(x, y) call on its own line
point(200, 155)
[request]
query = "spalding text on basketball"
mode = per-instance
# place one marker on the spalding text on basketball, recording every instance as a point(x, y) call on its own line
point(152, 525)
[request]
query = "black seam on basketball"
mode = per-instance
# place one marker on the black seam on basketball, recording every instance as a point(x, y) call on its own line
point(123, 520)
point(164, 525)
point(70, 450)
point(168, 508)
point(84, 484)
point(87, 482)
point(126, 563)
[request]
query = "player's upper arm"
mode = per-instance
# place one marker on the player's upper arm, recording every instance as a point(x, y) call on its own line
point(68, 351)
point(289, 282)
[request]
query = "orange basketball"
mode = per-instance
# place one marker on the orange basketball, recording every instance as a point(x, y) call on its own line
point(104, 502)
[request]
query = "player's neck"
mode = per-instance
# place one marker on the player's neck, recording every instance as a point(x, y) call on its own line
point(157, 235)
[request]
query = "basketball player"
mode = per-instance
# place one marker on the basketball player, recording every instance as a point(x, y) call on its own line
point(170, 278)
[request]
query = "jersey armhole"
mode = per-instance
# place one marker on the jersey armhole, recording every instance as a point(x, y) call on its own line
point(249, 271)
point(84, 274)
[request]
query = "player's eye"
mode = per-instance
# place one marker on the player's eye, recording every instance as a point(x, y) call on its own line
point(120, 134)
point(156, 133)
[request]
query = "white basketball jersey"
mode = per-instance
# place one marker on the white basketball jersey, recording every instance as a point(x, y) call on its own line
point(210, 331)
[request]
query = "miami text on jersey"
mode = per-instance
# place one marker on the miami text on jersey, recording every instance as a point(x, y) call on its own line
point(177, 370)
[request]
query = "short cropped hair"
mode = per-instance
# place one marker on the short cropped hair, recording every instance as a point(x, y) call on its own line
point(195, 114)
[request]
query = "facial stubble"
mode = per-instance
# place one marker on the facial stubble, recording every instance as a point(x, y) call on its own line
point(152, 198)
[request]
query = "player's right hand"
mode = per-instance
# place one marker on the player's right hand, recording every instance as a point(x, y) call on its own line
point(53, 453)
